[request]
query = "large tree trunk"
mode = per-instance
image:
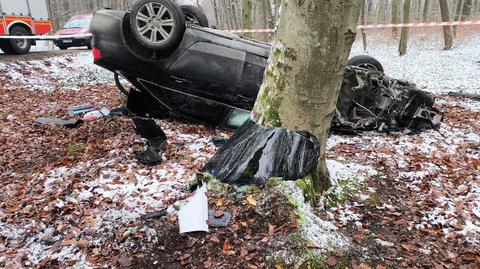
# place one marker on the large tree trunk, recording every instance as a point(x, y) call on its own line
point(447, 29)
point(305, 71)
point(402, 48)
point(395, 18)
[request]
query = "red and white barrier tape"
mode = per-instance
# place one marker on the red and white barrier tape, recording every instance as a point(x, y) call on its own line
point(252, 31)
point(375, 26)
point(418, 24)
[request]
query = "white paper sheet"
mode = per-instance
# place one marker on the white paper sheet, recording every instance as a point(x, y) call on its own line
point(193, 216)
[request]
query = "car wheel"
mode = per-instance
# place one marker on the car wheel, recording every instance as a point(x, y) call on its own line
point(366, 62)
point(157, 24)
point(194, 15)
point(17, 46)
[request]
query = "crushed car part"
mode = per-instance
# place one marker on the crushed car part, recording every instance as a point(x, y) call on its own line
point(256, 153)
point(371, 101)
point(220, 221)
point(76, 110)
point(74, 123)
point(367, 62)
point(148, 129)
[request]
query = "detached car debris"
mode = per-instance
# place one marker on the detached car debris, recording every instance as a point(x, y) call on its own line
point(72, 123)
point(77, 110)
point(193, 216)
point(256, 153)
point(180, 69)
point(371, 101)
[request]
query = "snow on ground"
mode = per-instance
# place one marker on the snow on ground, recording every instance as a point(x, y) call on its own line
point(66, 72)
point(436, 166)
point(432, 69)
point(101, 198)
point(113, 193)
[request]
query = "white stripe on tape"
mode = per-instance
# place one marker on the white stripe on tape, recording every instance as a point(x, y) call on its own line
point(46, 37)
point(375, 26)
point(418, 24)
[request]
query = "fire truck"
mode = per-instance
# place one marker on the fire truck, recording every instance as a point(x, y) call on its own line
point(22, 18)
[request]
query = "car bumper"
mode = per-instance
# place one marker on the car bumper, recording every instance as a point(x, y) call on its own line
point(74, 42)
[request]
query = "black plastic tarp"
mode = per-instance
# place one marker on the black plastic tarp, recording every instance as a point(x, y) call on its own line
point(256, 153)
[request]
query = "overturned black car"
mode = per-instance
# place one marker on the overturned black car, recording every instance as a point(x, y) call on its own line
point(181, 68)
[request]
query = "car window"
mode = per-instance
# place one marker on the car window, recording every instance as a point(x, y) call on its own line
point(78, 23)
point(237, 118)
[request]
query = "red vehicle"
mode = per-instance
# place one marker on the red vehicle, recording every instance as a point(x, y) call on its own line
point(77, 25)
point(22, 18)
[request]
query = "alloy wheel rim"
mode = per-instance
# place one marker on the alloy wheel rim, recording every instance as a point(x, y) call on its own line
point(154, 23)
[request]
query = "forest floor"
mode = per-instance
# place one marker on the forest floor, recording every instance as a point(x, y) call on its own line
point(75, 197)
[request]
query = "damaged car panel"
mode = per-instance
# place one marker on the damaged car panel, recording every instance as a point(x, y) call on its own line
point(371, 101)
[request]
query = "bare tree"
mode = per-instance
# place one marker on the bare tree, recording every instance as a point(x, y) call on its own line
point(447, 29)
point(426, 7)
point(402, 48)
point(363, 15)
point(466, 10)
point(395, 18)
point(458, 15)
point(305, 71)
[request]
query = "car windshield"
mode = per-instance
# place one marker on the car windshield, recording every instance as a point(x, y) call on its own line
point(78, 23)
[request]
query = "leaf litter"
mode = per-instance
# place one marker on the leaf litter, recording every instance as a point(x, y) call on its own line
point(75, 197)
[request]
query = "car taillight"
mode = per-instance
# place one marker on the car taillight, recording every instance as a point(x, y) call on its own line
point(96, 54)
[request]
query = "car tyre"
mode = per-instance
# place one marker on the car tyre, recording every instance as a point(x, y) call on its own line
point(157, 24)
point(194, 15)
point(17, 46)
point(367, 62)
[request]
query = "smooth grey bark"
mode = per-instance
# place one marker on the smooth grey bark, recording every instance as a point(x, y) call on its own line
point(305, 71)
